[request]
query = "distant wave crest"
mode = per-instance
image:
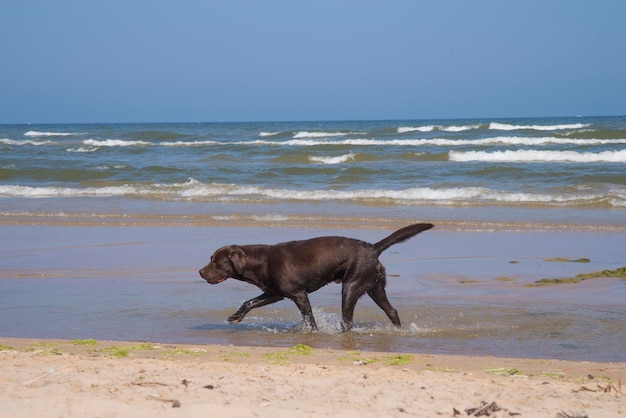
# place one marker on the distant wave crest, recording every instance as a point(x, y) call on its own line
point(113, 143)
point(540, 156)
point(430, 128)
point(25, 142)
point(94, 144)
point(37, 133)
point(333, 160)
point(508, 127)
point(444, 142)
point(315, 134)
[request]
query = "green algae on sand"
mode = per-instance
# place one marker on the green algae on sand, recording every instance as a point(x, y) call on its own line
point(619, 273)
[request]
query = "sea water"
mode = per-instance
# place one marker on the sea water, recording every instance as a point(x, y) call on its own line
point(547, 170)
point(529, 180)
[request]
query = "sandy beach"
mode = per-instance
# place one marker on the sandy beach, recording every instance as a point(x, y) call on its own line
point(87, 378)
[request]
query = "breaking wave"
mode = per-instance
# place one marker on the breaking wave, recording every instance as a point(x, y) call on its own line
point(333, 160)
point(540, 156)
point(25, 142)
point(37, 133)
point(508, 127)
point(430, 128)
point(448, 196)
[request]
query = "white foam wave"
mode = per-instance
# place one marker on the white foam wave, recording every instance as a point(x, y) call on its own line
point(406, 129)
point(540, 156)
point(266, 134)
point(520, 140)
point(424, 195)
point(514, 140)
point(458, 128)
point(430, 128)
point(508, 127)
point(82, 149)
point(93, 145)
point(186, 143)
point(53, 191)
point(195, 190)
point(333, 160)
point(306, 134)
point(37, 133)
point(25, 142)
point(108, 167)
point(113, 143)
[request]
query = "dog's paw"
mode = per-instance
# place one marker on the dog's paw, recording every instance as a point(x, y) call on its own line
point(235, 319)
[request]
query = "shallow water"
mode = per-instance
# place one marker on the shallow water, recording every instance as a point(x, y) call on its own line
point(184, 311)
point(141, 283)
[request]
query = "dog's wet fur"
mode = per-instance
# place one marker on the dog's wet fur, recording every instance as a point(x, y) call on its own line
point(294, 269)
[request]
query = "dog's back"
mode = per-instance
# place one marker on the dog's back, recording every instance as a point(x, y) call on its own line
point(316, 262)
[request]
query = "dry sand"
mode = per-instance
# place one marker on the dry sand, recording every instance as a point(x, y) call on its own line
point(114, 379)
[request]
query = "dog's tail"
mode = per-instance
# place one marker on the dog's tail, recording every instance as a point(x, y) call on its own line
point(400, 235)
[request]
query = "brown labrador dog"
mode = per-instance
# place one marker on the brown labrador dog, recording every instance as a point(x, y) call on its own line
point(294, 269)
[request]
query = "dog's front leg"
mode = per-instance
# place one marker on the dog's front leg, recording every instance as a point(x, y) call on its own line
point(302, 301)
point(249, 305)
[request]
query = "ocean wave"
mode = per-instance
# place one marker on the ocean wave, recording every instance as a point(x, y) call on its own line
point(266, 134)
point(197, 191)
point(333, 160)
point(113, 143)
point(55, 191)
point(520, 140)
point(405, 129)
point(37, 133)
point(82, 149)
point(444, 142)
point(307, 134)
point(430, 128)
point(187, 143)
point(25, 142)
point(303, 142)
point(539, 156)
point(508, 127)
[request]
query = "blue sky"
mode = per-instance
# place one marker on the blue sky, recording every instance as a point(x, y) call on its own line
point(191, 61)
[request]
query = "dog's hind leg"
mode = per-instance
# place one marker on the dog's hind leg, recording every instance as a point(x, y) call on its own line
point(249, 305)
point(350, 294)
point(378, 294)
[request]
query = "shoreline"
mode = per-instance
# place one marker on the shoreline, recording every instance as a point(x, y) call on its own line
point(113, 378)
point(290, 221)
point(457, 292)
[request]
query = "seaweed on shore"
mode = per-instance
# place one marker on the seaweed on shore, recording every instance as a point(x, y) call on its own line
point(282, 357)
point(619, 273)
point(567, 260)
point(553, 282)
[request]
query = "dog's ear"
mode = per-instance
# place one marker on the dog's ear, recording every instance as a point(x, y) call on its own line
point(238, 257)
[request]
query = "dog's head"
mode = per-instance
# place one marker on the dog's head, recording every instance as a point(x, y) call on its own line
point(229, 261)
